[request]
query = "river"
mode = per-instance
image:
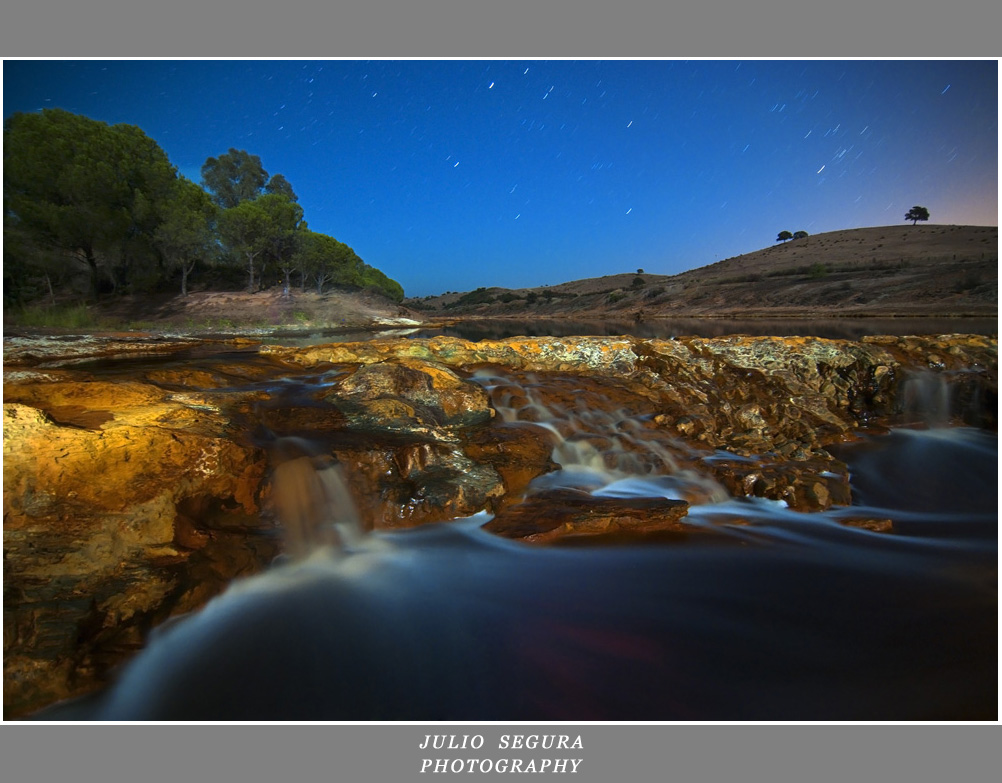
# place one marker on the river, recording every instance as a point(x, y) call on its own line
point(664, 328)
point(773, 615)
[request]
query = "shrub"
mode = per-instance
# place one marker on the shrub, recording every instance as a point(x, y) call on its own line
point(65, 317)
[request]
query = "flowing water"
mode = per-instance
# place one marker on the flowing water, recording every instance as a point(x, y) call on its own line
point(778, 615)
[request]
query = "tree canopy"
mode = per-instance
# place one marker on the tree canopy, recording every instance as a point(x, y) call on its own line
point(916, 213)
point(84, 188)
point(783, 236)
point(95, 207)
point(186, 233)
point(237, 176)
point(258, 226)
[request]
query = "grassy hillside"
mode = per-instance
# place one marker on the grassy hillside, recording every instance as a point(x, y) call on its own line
point(926, 270)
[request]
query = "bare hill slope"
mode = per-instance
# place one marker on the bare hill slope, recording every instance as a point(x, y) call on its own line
point(927, 270)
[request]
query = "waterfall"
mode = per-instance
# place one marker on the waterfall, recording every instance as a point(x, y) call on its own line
point(941, 398)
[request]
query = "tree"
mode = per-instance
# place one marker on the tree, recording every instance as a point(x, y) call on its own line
point(324, 260)
point(86, 189)
point(186, 233)
point(800, 235)
point(259, 226)
point(234, 177)
point(280, 185)
point(286, 217)
point(783, 236)
point(916, 214)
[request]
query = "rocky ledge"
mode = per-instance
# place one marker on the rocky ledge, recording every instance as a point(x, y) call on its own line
point(141, 475)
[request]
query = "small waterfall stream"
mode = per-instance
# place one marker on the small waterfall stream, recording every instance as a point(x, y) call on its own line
point(803, 617)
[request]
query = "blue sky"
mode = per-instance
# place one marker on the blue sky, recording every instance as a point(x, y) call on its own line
point(449, 175)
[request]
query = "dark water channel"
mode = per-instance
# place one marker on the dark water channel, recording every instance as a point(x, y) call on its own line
point(782, 616)
point(834, 328)
point(661, 328)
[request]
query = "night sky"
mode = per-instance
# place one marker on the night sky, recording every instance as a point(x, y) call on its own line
point(449, 175)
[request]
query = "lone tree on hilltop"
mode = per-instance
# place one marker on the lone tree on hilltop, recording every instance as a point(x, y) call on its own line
point(800, 235)
point(915, 214)
point(783, 236)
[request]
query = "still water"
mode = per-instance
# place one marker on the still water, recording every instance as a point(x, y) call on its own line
point(777, 616)
point(662, 328)
point(834, 328)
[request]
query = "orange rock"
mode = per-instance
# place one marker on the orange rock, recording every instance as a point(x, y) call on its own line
point(565, 514)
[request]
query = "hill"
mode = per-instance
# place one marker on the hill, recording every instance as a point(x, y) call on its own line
point(928, 270)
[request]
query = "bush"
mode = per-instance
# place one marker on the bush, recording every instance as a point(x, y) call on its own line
point(65, 317)
point(480, 296)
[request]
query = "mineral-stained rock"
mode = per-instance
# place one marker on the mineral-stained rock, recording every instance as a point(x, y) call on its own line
point(564, 514)
point(518, 453)
point(410, 396)
point(130, 495)
point(814, 484)
point(403, 484)
point(92, 538)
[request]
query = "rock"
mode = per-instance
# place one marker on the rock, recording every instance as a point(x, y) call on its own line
point(134, 494)
point(95, 526)
point(814, 484)
point(404, 484)
point(410, 396)
point(560, 515)
point(518, 453)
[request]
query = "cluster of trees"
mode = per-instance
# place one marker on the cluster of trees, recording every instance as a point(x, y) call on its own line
point(99, 208)
point(914, 214)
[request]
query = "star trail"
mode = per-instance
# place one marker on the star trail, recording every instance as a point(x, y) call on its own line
point(449, 175)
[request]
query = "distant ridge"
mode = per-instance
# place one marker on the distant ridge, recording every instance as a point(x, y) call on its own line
point(885, 271)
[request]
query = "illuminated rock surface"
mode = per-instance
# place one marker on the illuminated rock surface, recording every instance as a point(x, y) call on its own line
point(137, 471)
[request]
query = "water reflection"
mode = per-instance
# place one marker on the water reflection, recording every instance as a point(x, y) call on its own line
point(845, 329)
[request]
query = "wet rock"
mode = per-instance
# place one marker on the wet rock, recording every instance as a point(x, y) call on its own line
point(410, 396)
point(68, 349)
point(814, 484)
point(518, 453)
point(130, 495)
point(404, 484)
point(93, 503)
point(868, 523)
point(560, 515)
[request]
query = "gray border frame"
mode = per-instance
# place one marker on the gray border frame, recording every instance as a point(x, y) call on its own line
point(517, 29)
point(514, 28)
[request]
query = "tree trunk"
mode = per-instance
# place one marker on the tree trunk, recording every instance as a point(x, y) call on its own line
point(95, 281)
point(250, 272)
point(185, 271)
